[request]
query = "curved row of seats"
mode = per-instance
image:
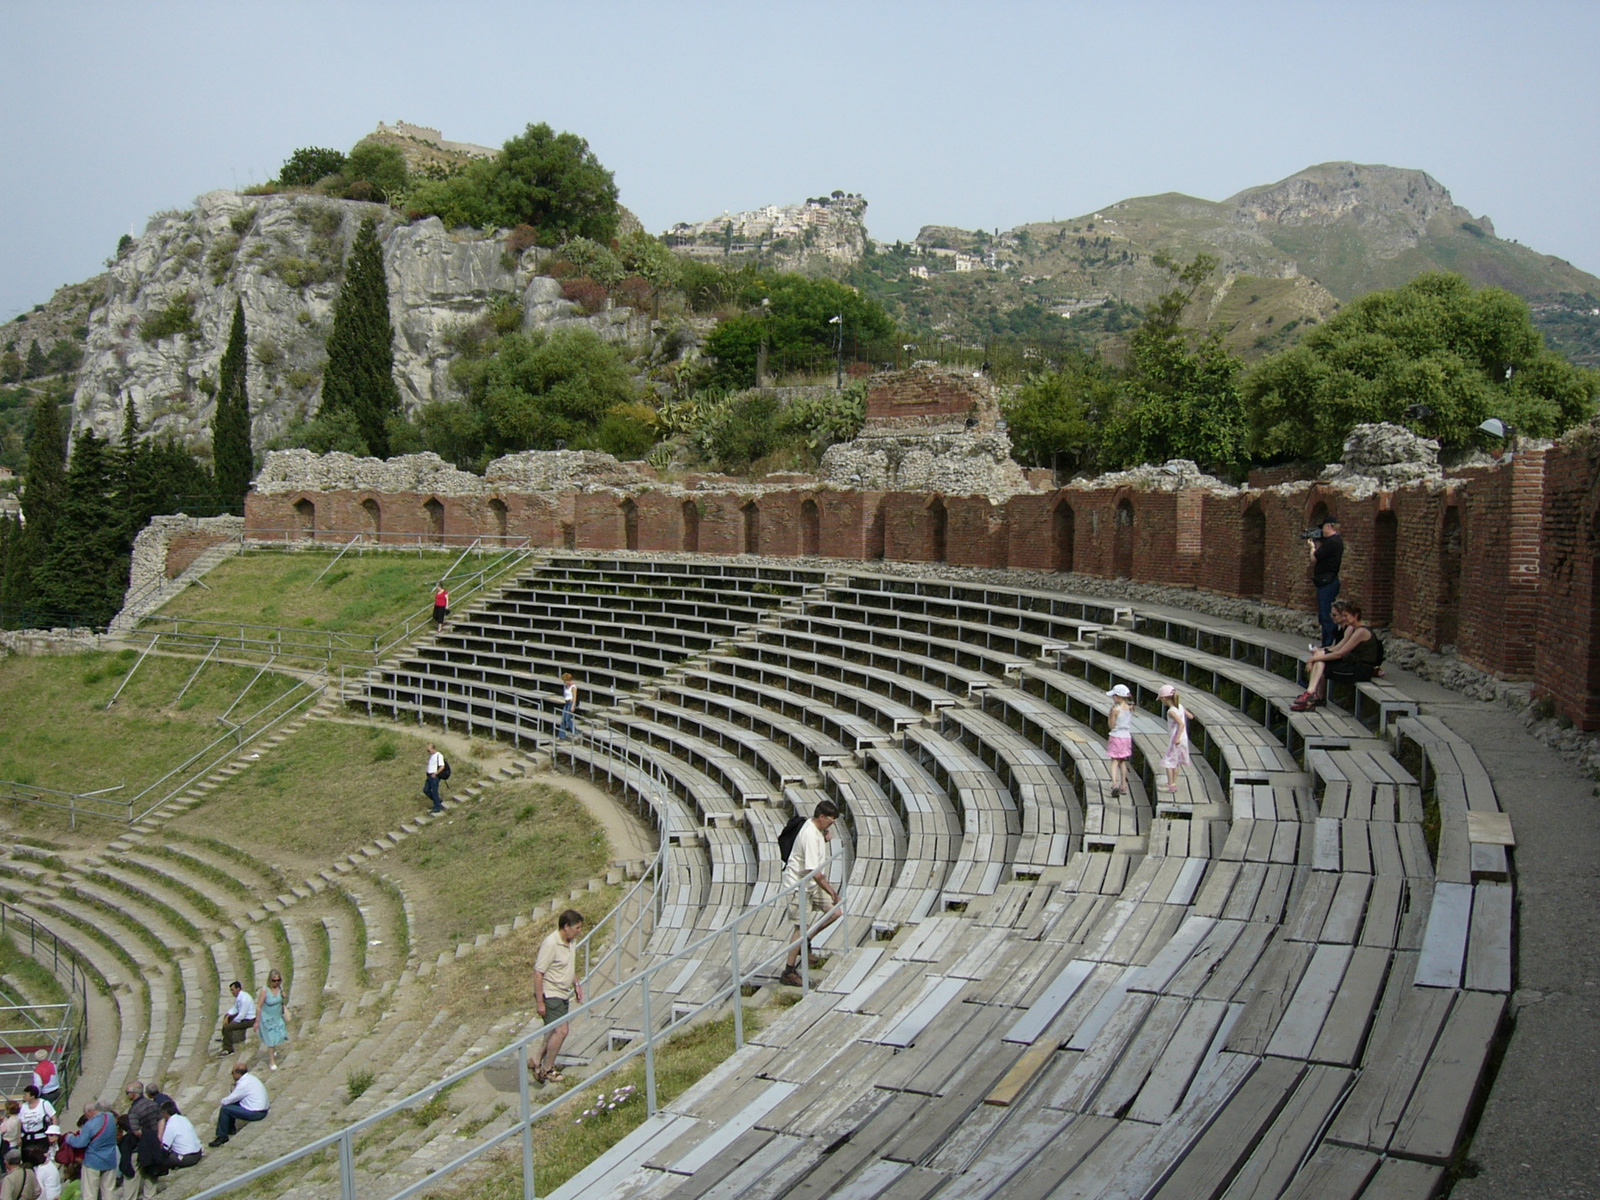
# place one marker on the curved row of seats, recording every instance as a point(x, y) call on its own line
point(1261, 985)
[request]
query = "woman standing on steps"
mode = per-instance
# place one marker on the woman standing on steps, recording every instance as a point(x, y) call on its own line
point(1119, 745)
point(272, 1017)
point(441, 606)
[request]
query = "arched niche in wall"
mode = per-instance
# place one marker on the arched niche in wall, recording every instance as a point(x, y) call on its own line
point(630, 524)
point(691, 526)
point(1122, 540)
point(1452, 540)
point(938, 531)
point(434, 509)
point(1380, 579)
point(1063, 535)
point(374, 516)
point(500, 517)
point(305, 513)
point(810, 528)
point(1252, 551)
point(752, 528)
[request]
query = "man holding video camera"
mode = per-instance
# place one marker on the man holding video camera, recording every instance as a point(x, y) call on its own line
point(1327, 552)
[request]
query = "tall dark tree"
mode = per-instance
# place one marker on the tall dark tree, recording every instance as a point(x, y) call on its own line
point(85, 571)
point(230, 426)
point(37, 364)
point(44, 478)
point(359, 376)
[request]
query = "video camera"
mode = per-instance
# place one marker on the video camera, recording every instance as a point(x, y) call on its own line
point(1313, 534)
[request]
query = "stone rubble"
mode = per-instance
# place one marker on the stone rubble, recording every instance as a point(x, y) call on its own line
point(1380, 457)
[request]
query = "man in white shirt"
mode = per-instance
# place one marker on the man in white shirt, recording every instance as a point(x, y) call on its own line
point(178, 1138)
point(430, 786)
point(247, 1102)
point(808, 860)
point(238, 1020)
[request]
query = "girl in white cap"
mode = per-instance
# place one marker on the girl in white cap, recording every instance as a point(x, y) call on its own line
point(1177, 755)
point(1119, 746)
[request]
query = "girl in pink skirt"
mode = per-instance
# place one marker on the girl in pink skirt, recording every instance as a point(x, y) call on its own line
point(1119, 746)
point(1177, 755)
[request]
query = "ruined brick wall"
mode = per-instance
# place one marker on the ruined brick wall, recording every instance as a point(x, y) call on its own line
point(1499, 562)
point(184, 548)
point(1567, 669)
point(924, 399)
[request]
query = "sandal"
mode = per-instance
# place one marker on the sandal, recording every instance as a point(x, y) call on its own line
point(555, 1076)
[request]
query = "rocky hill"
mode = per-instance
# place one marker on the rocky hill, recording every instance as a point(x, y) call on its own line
point(159, 335)
point(1290, 253)
point(826, 232)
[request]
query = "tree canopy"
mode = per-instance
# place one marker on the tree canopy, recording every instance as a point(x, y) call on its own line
point(550, 181)
point(359, 377)
point(794, 315)
point(309, 164)
point(1463, 354)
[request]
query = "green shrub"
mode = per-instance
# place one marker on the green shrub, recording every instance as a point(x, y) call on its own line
point(381, 167)
point(309, 164)
point(177, 317)
point(356, 1083)
point(224, 251)
point(628, 431)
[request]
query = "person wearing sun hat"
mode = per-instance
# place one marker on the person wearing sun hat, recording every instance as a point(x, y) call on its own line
point(1177, 755)
point(1119, 745)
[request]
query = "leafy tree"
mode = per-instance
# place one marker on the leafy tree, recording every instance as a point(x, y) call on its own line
point(1465, 354)
point(327, 432)
point(230, 425)
point(360, 373)
point(36, 364)
point(649, 258)
point(797, 323)
point(550, 181)
point(1053, 415)
point(527, 393)
point(627, 431)
point(65, 355)
point(309, 164)
point(381, 167)
point(85, 571)
point(1180, 395)
point(10, 367)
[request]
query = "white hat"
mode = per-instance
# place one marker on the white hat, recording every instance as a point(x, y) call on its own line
point(1121, 689)
point(53, 1129)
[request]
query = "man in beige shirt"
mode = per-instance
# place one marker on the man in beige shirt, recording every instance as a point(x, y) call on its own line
point(555, 984)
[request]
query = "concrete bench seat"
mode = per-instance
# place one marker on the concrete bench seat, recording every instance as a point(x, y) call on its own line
point(737, 779)
point(975, 651)
point(939, 682)
point(846, 686)
point(990, 823)
point(773, 758)
point(1052, 815)
point(719, 696)
point(712, 802)
point(594, 628)
point(1009, 630)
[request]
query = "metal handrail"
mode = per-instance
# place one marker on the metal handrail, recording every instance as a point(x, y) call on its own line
point(648, 1038)
point(70, 1060)
point(75, 805)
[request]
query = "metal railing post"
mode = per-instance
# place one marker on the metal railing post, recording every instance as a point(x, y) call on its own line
point(649, 1048)
point(738, 986)
point(525, 1109)
point(804, 901)
point(347, 1167)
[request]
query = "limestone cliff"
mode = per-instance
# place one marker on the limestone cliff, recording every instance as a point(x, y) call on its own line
point(158, 338)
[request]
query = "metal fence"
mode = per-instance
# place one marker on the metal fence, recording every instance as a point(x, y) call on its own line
point(65, 1027)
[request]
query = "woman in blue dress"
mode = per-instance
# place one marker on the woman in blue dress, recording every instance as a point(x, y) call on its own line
point(272, 1016)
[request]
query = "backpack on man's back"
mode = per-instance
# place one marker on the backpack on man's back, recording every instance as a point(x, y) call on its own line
point(786, 839)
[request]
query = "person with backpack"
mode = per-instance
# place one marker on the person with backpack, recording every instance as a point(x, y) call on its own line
point(437, 771)
point(805, 860)
point(1353, 659)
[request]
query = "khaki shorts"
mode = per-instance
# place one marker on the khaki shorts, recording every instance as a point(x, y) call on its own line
point(818, 904)
point(555, 1010)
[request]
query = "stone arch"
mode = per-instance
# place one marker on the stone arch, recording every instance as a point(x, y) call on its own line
point(501, 517)
point(1252, 551)
point(752, 528)
point(1122, 540)
point(1317, 515)
point(1380, 581)
point(1452, 544)
point(938, 530)
point(434, 508)
point(691, 526)
point(305, 512)
point(630, 524)
point(1063, 524)
point(374, 513)
point(810, 528)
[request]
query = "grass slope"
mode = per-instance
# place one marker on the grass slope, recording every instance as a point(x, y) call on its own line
point(56, 732)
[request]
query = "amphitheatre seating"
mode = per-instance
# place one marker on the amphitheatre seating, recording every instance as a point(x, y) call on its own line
point(1269, 984)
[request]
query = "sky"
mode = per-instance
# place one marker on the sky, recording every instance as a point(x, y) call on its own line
point(971, 114)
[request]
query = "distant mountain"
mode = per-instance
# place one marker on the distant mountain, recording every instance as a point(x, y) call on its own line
point(1291, 253)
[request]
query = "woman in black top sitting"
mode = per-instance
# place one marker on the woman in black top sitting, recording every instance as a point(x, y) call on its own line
point(1352, 659)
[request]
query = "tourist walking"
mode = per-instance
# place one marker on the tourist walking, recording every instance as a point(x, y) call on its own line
point(435, 772)
point(34, 1117)
point(45, 1076)
point(97, 1138)
point(247, 1102)
point(1119, 742)
point(441, 606)
point(1354, 659)
point(238, 1020)
point(808, 864)
point(1177, 755)
point(1327, 553)
point(272, 1017)
point(555, 984)
point(569, 706)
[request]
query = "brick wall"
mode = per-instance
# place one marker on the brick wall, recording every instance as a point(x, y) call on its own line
point(1567, 669)
point(923, 399)
point(1499, 561)
point(184, 548)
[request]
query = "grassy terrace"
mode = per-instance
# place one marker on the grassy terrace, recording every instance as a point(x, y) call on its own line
point(56, 732)
point(365, 593)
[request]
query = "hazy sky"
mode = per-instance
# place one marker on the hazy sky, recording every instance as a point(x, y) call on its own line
point(964, 114)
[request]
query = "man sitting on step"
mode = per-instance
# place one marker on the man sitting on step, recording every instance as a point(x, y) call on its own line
point(179, 1141)
point(247, 1102)
point(238, 1020)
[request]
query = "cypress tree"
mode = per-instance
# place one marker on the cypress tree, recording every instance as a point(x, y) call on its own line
point(230, 426)
point(360, 373)
point(44, 478)
point(85, 571)
point(37, 364)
